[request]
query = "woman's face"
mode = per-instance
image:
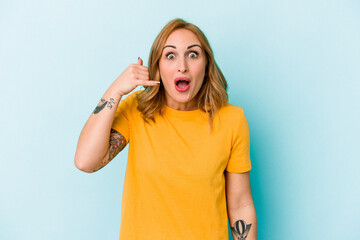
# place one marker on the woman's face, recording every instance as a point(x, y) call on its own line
point(182, 69)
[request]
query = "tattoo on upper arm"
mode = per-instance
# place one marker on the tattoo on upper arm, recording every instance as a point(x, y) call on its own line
point(103, 103)
point(116, 144)
point(241, 229)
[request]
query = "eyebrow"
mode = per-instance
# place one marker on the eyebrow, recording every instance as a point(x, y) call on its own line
point(194, 45)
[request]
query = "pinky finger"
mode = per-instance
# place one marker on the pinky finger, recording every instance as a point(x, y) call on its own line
point(148, 83)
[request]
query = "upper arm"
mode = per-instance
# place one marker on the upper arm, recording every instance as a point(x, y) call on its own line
point(117, 142)
point(238, 192)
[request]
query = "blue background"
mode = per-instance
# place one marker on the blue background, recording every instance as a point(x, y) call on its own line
point(294, 66)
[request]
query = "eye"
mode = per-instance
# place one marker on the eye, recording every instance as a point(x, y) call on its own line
point(170, 55)
point(193, 54)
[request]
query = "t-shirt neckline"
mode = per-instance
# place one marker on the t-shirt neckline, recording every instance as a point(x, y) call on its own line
point(179, 113)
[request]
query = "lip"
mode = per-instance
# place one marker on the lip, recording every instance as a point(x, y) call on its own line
point(182, 89)
point(181, 78)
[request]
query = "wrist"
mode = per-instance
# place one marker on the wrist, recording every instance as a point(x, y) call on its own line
point(111, 93)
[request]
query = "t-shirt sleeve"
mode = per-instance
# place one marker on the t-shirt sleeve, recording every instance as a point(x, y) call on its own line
point(239, 160)
point(121, 121)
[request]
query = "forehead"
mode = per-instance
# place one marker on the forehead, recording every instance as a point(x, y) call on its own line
point(182, 37)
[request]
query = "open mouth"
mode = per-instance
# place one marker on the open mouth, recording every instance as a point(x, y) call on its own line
point(182, 84)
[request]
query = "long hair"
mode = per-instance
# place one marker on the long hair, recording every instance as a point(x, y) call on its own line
point(212, 94)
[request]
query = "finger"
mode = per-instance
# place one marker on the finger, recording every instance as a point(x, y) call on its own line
point(141, 70)
point(148, 83)
point(140, 61)
point(142, 75)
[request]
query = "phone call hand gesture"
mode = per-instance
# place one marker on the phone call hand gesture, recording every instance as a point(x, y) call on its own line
point(134, 75)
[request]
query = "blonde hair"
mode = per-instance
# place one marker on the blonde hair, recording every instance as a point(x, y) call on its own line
point(212, 94)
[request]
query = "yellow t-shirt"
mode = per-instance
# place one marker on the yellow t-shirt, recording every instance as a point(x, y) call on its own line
point(174, 183)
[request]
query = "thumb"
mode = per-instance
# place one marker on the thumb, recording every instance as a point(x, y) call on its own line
point(140, 61)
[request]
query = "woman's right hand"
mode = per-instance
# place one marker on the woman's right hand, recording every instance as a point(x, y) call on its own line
point(134, 75)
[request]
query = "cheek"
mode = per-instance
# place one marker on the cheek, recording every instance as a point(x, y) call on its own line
point(198, 65)
point(199, 70)
point(164, 70)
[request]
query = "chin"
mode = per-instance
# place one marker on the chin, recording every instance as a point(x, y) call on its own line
point(184, 99)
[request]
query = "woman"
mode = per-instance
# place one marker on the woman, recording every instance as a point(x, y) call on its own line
point(188, 164)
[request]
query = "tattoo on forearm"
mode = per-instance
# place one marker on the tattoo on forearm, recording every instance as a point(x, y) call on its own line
point(241, 229)
point(103, 104)
point(116, 144)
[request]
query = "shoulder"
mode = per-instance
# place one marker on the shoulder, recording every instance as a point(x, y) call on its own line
point(234, 120)
point(128, 103)
point(130, 99)
point(231, 111)
point(132, 96)
point(229, 117)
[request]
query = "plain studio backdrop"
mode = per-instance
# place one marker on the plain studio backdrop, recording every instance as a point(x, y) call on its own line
point(293, 66)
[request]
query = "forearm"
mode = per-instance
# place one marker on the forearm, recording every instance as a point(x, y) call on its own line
point(93, 142)
point(243, 222)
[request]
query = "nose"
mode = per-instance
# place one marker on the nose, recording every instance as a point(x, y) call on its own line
point(182, 67)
